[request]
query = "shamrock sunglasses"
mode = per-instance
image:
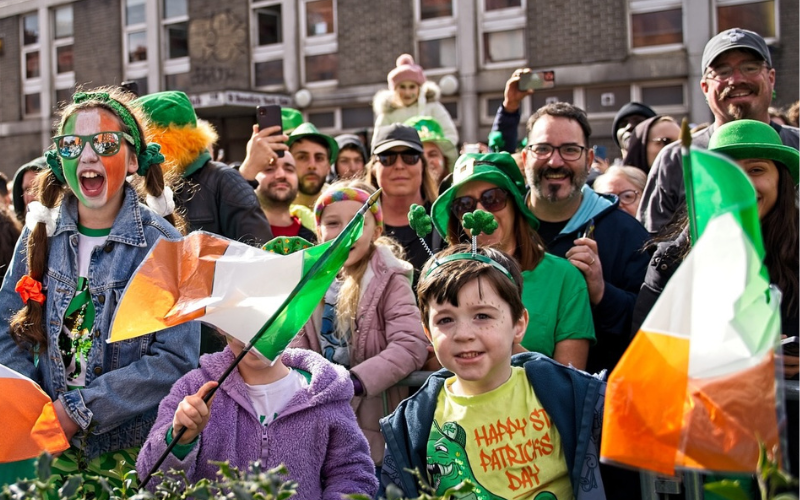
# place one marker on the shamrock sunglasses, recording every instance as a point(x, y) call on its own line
point(103, 143)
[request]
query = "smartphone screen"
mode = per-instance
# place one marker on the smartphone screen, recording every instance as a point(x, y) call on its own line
point(536, 80)
point(269, 116)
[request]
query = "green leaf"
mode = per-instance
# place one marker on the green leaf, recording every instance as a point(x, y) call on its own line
point(419, 220)
point(70, 487)
point(728, 489)
point(44, 467)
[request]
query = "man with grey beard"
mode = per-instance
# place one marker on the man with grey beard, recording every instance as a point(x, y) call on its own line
point(603, 242)
point(738, 81)
point(277, 188)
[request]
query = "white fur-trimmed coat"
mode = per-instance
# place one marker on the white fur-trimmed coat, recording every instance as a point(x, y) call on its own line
point(387, 111)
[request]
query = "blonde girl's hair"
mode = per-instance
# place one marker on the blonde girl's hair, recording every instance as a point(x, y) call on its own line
point(350, 292)
point(429, 188)
point(27, 328)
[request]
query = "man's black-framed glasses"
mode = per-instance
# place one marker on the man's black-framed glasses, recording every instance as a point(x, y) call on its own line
point(544, 151)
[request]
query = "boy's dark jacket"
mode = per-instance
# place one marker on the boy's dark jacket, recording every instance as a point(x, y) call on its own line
point(573, 399)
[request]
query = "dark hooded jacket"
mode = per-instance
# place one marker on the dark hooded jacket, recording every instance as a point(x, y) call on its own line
point(637, 145)
point(16, 190)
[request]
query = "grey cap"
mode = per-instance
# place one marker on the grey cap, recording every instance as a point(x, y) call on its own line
point(735, 38)
point(351, 140)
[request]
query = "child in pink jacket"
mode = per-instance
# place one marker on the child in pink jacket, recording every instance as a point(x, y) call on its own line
point(369, 321)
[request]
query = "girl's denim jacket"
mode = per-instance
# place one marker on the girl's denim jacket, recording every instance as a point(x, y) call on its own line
point(125, 381)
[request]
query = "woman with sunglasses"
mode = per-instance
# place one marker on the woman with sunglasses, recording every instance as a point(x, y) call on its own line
point(81, 244)
point(399, 168)
point(553, 291)
point(648, 139)
point(627, 183)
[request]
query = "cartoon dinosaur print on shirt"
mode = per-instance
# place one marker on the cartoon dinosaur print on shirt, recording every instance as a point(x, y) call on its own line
point(448, 464)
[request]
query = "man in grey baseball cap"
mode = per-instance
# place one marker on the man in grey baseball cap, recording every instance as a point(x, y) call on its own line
point(738, 80)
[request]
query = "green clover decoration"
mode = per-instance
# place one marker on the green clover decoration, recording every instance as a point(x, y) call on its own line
point(478, 222)
point(420, 221)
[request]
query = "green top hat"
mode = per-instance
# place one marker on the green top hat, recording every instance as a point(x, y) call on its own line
point(309, 130)
point(431, 131)
point(499, 169)
point(748, 139)
point(291, 119)
point(171, 107)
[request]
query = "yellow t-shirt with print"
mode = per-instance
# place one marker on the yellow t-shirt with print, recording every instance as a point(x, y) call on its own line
point(503, 441)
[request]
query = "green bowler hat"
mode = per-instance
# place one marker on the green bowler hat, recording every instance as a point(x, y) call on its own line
point(291, 119)
point(750, 139)
point(171, 107)
point(309, 130)
point(499, 169)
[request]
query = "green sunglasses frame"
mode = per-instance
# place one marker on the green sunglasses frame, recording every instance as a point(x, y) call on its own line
point(90, 139)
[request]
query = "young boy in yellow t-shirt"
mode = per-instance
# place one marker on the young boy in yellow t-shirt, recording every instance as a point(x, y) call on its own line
point(522, 427)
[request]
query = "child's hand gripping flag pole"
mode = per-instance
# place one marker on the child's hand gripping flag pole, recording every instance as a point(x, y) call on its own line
point(259, 298)
point(696, 389)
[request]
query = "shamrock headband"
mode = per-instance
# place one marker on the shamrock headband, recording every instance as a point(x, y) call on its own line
point(476, 222)
point(147, 156)
point(346, 194)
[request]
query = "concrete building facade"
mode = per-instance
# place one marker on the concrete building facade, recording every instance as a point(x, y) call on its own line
point(329, 57)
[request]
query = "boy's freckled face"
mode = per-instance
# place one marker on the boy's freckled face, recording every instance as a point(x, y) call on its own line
point(474, 340)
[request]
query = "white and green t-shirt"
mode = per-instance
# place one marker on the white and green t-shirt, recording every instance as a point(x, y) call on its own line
point(269, 399)
point(75, 341)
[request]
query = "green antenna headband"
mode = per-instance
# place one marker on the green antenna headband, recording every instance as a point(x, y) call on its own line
point(477, 222)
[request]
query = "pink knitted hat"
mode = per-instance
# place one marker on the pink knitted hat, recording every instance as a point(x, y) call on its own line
point(406, 71)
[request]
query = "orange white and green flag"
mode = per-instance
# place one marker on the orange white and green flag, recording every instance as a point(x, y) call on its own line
point(231, 285)
point(29, 424)
point(696, 388)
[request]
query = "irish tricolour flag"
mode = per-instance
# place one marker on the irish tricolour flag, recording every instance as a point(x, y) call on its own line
point(233, 286)
point(28, 425)
point(696, 388)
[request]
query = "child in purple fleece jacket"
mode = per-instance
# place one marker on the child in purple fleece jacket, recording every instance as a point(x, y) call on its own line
point(296, 412)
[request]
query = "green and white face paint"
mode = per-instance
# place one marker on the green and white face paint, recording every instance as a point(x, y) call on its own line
point(97, 181)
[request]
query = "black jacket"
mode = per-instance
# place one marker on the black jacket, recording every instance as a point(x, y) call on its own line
point(219, 200)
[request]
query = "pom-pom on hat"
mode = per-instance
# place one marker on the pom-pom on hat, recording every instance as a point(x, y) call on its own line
point(406, 71)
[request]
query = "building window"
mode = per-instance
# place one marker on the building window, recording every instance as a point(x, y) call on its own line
point(666, 95)
point(360, 117)
point(438, 53)
point(269, 73)
point(502, 28)
point(753, 16)
point(176, 29)
point(30, 60)
point(63, 96)
point(322, 67)
point(501, 46)
point(607, 99)
point(320, 18)
point(433, 9)
point(656, 22)
point(490, 5)
point(267, 41)
point(63, 41)
point(177, 81)
point(319, 45)
point(545, 97)
point(268, 25)
point(323, 119)
point(135, 31)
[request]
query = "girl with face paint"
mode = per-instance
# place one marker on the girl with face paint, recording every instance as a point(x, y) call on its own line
point(81, 243)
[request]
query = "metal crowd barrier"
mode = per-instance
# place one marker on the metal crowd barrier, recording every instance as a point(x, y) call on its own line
point(654, 487)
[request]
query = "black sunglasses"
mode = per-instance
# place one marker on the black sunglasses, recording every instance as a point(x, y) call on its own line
point(409, 157)
point(493, 200)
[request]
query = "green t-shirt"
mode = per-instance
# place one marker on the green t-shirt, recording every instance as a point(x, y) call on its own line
point(555, 295)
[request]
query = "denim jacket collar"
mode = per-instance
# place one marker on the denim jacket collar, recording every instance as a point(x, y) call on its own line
point(127, 227)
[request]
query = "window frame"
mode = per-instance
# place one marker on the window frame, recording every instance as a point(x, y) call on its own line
point(317, 45)
point(648, 6)
point(494, 21)
point(440, 33)
point(174, 65)
point(715, 4)
point(436, 22)
point(267, 53)
point(136, 69)
point(66, 80)
point(30, 85)
point(673, 109)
